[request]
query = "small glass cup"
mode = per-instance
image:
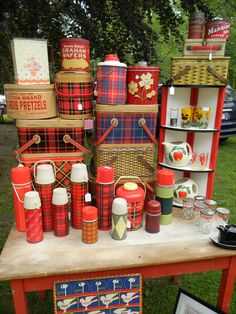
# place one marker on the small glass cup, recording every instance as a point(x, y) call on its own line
point(199, 198)
point(222, 215)
point(174, 112)
point(201, 116)
point(206, 219)
point(211, 204)
point(186, 117)
point(196, 210)
point(188, 208)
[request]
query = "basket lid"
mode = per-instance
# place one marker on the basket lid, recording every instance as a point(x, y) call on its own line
point(73, 77)
point(50, 123)
point(28, 87)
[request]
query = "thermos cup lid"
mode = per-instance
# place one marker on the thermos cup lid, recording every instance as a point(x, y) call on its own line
point(165, 177)
point(105, 174)
point(20, 175)
point(59, 196)
point(32, 200)
point(131, 192)
point(154, 207)
point(79, 173)
point(130, 186)
point(119, 206)
point(45, 174)
point(89, 213)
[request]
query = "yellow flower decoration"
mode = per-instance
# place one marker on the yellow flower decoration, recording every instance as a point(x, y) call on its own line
point(133, 87)
point(151, 94)
point(146, 81)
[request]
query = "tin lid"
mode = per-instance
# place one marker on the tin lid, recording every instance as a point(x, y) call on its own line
point(199, 206)
point(89, 213)
point(222, 210)
point(105, 174)
point(200, 198)
point(71, 39)
point(131, 192)
point(154, 207)
point(112, 60)
point(140, 66)
point(207, 212)
point(28, 87)
point(130, 186)
point(210, 202)
point(165, 177)
point(73, 77)
point(119, 206)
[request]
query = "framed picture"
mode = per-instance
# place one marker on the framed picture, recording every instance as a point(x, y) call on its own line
point(186, 303)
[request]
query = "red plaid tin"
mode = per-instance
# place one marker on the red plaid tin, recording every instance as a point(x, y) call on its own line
point(124, 124)
point(74, 94)
point(111, 79)
point(50, 136)
point(78, 192)
point(61, 220)
point(142, 83)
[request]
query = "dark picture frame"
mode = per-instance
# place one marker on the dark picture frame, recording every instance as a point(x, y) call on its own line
point(187, 303)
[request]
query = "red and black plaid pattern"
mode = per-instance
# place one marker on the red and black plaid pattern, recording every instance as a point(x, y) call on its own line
point(111, 85)
point(128, 130)
point(78, 192)
point(45, 193)
point(135, 215)
point(34, 225)
point(90, 231)
point(72, 106)
point(51, 139)
point(104, 199)
point(61, 220)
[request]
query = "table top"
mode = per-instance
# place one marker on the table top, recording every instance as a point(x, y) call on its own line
point(180, 241)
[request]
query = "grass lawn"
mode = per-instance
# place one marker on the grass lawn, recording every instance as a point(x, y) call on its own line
point(159, 294)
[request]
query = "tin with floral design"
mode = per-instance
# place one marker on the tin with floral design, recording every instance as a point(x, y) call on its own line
point(142, 83)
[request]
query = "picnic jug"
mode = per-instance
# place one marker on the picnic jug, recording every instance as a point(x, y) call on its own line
point(178, 153)
point(185, 188)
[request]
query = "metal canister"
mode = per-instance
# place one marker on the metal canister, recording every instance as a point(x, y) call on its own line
point(217, 29)
point(119, 219)
point(196, 25)
point(89, 224)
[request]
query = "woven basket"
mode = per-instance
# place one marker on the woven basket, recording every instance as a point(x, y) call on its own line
point(200, 71)
point(127, 159)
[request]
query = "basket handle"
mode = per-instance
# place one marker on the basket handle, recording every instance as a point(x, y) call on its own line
point(114, 159)
point(148, 186)
point(35, 140)
point(145, 163)
point(179, 74)
point(59, 93)
point(217, 75)
point(114, 123)
point(202, 48)
point(43, 162)
point(68, 139)
point(142, 123)
point(130, 177)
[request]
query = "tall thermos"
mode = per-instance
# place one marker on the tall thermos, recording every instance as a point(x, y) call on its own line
point(60, 212)
point(119, 219)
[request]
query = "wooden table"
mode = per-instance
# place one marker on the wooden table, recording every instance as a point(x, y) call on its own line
point(178, 249)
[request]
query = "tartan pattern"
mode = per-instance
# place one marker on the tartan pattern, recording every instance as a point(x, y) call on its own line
point(78, 191)
point(70, 105)
point(61, 220)
point(111, 85)
point(51, 139)
point(128, 130)
point(104, 199)
point(135, 215)
point(34, 227)
point(45, 193)
point(90, 231)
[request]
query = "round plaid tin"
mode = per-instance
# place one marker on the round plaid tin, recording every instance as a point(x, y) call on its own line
point(90, 224)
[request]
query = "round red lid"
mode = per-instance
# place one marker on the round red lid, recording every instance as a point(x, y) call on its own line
point(165, 177)
point(131, 192)
point(154, 207)
point(89, 213)
point(20, 175)
point(111, 57)
point(105, 174)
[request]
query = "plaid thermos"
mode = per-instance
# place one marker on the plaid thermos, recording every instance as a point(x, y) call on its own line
point(119, 219)
point(111, 77)
point(165, 193)
point(60, 212)
point(105, 196)
point(33, 217)
point(90, 224)
point(79, 193)
point(44, 182)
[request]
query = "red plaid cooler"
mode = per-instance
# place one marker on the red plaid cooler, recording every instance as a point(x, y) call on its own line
point(50, 136)
point(74, 94)
point(111, 79)
point(124, 124)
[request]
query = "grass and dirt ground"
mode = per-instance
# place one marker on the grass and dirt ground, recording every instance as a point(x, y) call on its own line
point(159, 295)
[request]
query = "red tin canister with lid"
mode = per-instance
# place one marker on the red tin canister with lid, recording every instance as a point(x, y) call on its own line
point(75, 54)
point(135, 196)
point(142, 81)
point(217, 29)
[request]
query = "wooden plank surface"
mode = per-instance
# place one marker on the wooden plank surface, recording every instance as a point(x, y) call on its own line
point(180, 241)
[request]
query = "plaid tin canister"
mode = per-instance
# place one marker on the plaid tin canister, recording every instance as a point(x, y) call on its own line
point(78, 192)
point(131, 124)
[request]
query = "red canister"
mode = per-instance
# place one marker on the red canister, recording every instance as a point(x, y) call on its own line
point(75, 54)
point(165, 177)
point(89, 224)
point(134, 195)
point(217, 29)
point(153, 215)
point(142, 83)
point(196, 24)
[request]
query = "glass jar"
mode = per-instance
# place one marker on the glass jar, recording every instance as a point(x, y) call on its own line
point(206, 219)
point(199, 198)
point(211, 204)
point(188, 208)
point(222, 215)
point(196, 211)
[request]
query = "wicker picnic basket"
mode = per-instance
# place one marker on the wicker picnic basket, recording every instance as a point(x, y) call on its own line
point(127, 159)
point(199, 71)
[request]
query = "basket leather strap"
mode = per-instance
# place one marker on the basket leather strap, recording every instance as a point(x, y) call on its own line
point(202, 48)
point(59, 93)
point(35, 140)
point(114, 123)
point(145, 163)
point(68, 139)
point(142, 123)
point(217, 75)
point(179, 74)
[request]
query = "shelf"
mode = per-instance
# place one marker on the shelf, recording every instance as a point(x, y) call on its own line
point(193, 129)
point(194, 86)
point(187, 168)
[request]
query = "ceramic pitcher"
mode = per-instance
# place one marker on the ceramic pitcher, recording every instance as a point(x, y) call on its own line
point(185, 188)
point(178, 153)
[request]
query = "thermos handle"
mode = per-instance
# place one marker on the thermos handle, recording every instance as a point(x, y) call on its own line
point(59, 93)
point(43, 162)
point(15, 190)
point(130, 177)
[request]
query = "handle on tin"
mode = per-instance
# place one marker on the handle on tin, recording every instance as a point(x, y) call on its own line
point(217, 75)
point(130, 177)
point(142, 123)
point(59, 93)
point(35, 140)
point(43, 162)
point(201, 48)
point(68, 139)
point(114, 123)
point(179, 74)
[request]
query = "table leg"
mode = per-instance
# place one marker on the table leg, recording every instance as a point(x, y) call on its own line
point(19, 297)
point(227, 286)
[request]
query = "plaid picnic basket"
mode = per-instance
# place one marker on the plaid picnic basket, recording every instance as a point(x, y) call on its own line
point(127, 159)
point(74, 92)
point(50, 136)
point(199, 71)
point(124, 124)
